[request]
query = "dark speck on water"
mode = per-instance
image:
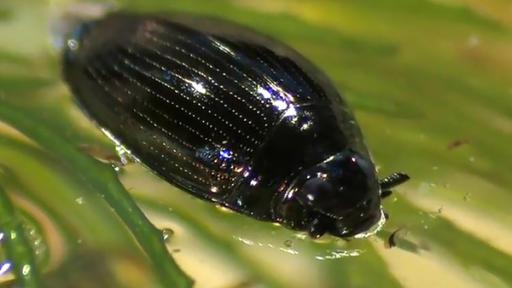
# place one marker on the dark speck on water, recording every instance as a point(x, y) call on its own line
point(457, 143)
point(392, 238)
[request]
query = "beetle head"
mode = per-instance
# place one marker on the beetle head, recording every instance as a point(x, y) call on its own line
point(342, 194)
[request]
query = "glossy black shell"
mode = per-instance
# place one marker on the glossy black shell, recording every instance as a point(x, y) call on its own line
point(222, 112)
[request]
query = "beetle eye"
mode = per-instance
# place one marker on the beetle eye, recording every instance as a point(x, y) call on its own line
point(316, 191)
point(322, 195)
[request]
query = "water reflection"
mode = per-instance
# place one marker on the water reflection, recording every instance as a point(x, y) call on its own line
point(337, 254)
point(5, 267)
point(320, 254)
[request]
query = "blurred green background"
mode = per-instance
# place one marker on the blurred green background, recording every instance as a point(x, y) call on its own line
point(431, 86)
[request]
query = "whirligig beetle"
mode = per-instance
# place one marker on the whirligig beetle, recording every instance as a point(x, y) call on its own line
point(229, 116)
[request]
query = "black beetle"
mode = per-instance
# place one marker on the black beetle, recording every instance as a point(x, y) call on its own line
point(229, 116)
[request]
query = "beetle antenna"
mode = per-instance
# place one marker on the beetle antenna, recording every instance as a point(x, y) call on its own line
point(391, 181)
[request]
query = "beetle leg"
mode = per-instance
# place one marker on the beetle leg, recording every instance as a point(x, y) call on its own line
point(393, 180)
point(99, 153)
point(316, 228)
point(119, 159)
point(385, 194)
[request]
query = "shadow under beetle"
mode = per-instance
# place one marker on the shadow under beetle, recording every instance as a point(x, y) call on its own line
point(229, 116)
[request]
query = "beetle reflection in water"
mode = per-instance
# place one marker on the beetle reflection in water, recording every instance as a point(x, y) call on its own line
point(229, 116)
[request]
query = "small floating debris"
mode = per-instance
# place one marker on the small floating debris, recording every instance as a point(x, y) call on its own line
point(392, 238)
point(457, 143)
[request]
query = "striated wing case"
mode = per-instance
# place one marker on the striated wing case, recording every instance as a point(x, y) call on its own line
point(196, 100)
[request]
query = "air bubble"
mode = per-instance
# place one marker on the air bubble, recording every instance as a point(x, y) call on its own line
point(73, 44)
point(5, 267)
point(36, 240)
point(288, 243)
point(167, 233)
point(79, 200)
